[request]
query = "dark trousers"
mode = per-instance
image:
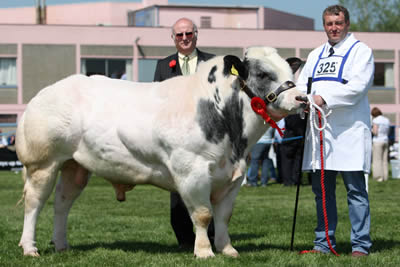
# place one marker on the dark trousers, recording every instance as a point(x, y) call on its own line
point(182, 224)
point(291, 161)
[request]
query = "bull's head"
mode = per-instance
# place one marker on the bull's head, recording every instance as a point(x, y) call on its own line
point(263, 73)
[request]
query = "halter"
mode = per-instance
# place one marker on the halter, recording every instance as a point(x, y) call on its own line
point(271, 96)
point(258, 104)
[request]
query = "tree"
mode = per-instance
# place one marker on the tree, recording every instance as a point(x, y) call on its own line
point(373, 15)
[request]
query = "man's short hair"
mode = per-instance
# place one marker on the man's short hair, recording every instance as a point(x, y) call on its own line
point(335, 10)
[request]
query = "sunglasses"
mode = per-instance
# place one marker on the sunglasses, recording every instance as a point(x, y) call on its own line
point(179, 36)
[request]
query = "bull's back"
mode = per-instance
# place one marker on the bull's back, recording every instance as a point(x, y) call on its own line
point(57, 119)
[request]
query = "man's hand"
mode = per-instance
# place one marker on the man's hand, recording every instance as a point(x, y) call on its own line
point(318, 100)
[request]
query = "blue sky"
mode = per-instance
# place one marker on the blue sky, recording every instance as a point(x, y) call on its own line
point(308, 8)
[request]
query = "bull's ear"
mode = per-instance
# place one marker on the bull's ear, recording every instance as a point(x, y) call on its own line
point(295, 63)
point(234, 66)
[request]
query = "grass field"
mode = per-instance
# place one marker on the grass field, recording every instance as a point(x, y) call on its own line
point(104, 232)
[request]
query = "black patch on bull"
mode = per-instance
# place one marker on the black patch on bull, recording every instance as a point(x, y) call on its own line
point(211, 75)
point(217, 97)
point(240, 66)
point(215, 124)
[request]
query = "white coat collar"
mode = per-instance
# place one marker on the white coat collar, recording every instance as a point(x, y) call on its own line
point(342, 47)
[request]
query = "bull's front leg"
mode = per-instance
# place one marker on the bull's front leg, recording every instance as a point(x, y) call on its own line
point(223, 208)
point(201, 217)
point(194, 187)
point(197, 201)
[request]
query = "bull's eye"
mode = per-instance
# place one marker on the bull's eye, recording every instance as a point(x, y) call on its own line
point(262, 75)
point(265, 76)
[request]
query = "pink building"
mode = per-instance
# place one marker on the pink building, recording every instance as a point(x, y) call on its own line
point(33, 56)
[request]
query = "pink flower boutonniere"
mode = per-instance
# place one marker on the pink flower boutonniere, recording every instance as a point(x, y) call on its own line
point(172, 63)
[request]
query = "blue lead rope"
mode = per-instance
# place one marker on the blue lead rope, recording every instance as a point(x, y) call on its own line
point(282, 140)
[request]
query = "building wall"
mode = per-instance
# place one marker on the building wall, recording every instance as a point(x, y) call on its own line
point(275, 19)
point(116, 14)
point(46, 54)
point(103, 13)
point(106, 13)
point(21, 15)
point(44, 64)
point(220, 17)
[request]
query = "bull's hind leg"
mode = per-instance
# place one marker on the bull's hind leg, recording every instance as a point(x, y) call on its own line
point(222, 214)
point(39, 183)
point(73, 180)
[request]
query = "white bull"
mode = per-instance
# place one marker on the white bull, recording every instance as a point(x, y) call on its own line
point(188, 134)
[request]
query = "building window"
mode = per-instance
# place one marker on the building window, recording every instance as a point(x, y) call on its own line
point(8, 120)
point(384, 75)
point(144, 18)
point(8, 72)
point(205, 22)
point(113, 68)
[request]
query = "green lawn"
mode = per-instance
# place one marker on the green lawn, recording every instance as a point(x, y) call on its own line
point(104, 232)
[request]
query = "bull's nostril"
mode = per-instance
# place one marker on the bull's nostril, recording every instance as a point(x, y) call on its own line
point(301, 98)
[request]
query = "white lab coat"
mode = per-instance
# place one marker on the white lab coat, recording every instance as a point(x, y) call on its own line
point(347, 137)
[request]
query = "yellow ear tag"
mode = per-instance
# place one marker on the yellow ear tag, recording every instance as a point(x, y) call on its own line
point(234, 71)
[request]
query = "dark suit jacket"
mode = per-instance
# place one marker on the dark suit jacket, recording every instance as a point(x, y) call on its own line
point(164, 71)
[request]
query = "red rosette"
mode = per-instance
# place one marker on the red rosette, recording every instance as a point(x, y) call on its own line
point(172, 63)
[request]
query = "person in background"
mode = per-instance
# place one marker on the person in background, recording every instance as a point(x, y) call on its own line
point(292, 149)
point(183, 62)
point(342, 70)
point(11, 140)
point(380, 145)
point(3, 141)
point(259, 154)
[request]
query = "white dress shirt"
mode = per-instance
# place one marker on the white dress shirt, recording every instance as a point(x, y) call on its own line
point(192, 61)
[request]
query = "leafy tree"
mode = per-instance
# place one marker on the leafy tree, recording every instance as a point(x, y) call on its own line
point(373, 15)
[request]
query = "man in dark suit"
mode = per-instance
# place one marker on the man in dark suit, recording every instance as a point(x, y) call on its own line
point(184, 34)
point(183, 62)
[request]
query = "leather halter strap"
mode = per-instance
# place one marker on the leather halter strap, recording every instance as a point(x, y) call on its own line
point(271, 96)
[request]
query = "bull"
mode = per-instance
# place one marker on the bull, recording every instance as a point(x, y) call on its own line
point(188, 134)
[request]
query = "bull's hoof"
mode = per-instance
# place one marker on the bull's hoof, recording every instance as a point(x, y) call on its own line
point(32, 252)
point(204, 253)
point(230, 251)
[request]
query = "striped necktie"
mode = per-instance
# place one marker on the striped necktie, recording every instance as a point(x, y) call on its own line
point(185, 66)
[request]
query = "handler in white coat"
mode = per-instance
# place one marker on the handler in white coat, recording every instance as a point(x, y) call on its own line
point(342, 70)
